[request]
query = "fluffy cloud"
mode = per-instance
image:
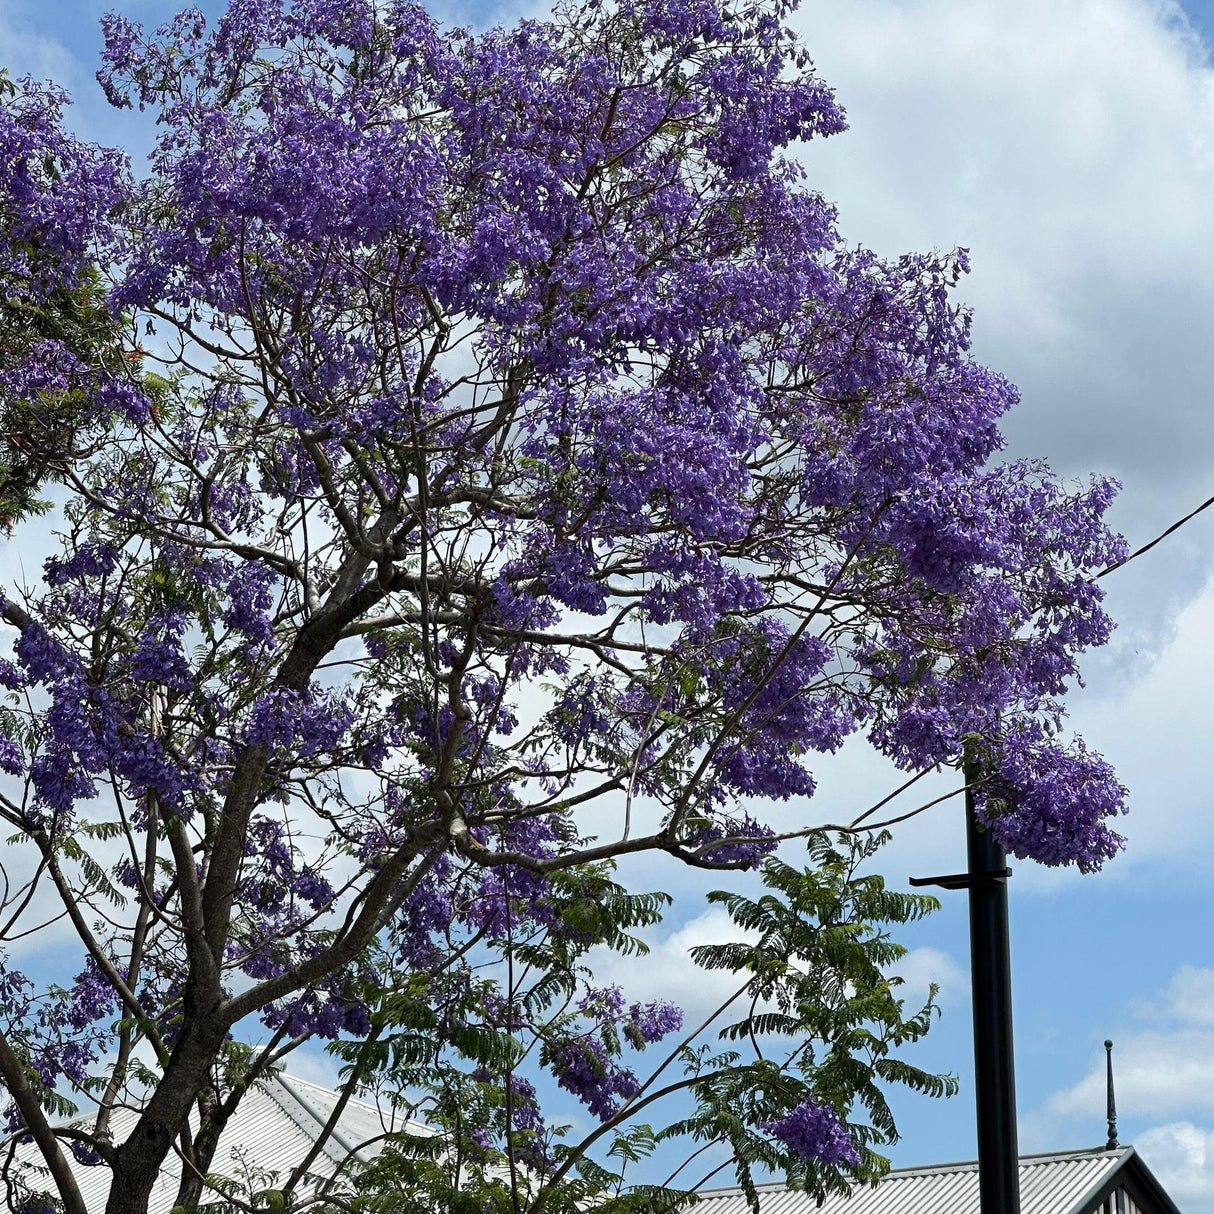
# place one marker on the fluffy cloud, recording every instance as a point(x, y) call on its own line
point(1182, 1156)
point(1189, 997)
point(26, 51)
point(1159, 1074)
point(923, 968)
point(1070, 145)
point(1165, 1083)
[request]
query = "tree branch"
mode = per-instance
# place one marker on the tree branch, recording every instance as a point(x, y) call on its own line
point(18, 1085)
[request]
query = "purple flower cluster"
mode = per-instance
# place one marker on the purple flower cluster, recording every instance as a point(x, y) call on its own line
point(508, 894)
point(585, 1066)
point(12, 760)
point(306, 724)
point(37, 1204)
point(320, 1015)
point(1050, 801)
point(275, 878)
point(749, 845)
point(58, 197)
point(91, 998)
point(57, 192)
point(650, 1022)
point(158, 657)
point(249, 603)
point(815, 1132)
point(582, 1066)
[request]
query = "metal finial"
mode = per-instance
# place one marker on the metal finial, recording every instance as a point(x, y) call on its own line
point(1112, 1143)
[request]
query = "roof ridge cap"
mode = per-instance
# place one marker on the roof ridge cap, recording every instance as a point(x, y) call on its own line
point(310, 1120)
point(963, 1165)
point(283, 1074)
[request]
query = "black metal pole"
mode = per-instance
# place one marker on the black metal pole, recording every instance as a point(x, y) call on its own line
point(991, 976)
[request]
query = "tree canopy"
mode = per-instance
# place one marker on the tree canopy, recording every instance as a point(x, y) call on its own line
point(506, 469)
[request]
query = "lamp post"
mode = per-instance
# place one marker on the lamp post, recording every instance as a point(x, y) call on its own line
point(991, 981)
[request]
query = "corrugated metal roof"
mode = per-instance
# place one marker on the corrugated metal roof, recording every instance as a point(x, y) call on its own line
point(274, 1127)
point(278, 1120)
point(1049, 1184)
point(361, 1127)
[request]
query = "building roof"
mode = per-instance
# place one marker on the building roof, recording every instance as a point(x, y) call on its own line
point(1068, 1182)
point(275, 1125)
point(281, 1117)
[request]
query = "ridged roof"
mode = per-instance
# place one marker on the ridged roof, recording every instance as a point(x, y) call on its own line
point(1049, 1184)
point(275, 1126)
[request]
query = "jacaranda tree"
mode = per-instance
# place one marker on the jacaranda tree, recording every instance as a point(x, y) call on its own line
point(507, 469)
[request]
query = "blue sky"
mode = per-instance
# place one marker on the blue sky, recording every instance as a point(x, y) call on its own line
point(1070, 145)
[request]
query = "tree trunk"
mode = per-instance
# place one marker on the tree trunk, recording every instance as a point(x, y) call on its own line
point(138, 1161)
point(214, 1120)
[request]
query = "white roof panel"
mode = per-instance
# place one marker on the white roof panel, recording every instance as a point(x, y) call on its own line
point(274, 1127)
point(1049, 1184)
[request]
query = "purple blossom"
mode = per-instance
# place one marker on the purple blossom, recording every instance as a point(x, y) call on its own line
point(320, 1014)
point(91, 998)
point(524, 1105)
point(37, 1203)
point(306, 723)
point(249, 603)
point(1052, 802)
point(16, 991)
point(91, 559)
point(749, 849)
point(158, 657)
point(815, 1132)
point(12, 760)
point(59, 192)
point(583, 1067)
point(650, 1022)
point(42, 657)
point(84, 1153)
point(507, 894)
point(605, 1003)
point(59, 782)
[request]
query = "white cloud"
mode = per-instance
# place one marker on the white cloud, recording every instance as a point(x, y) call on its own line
point(922, 968)
point(1165, 1076)
point(1188, 999)
point(314, 1065)
point(1190, 995)
point(1158, 1074)
point(668, 972)
point(1070, 145)
point(1182, 1157)
point(26, 51)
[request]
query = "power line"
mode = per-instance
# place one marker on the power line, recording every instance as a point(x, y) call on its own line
point(1162, 536)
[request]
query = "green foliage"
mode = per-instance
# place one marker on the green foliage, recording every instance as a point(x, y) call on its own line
point(821, 1020)
point(820, 957)
point(37, 436)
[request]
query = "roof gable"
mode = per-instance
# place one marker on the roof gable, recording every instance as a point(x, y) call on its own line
point(1067, 1182)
